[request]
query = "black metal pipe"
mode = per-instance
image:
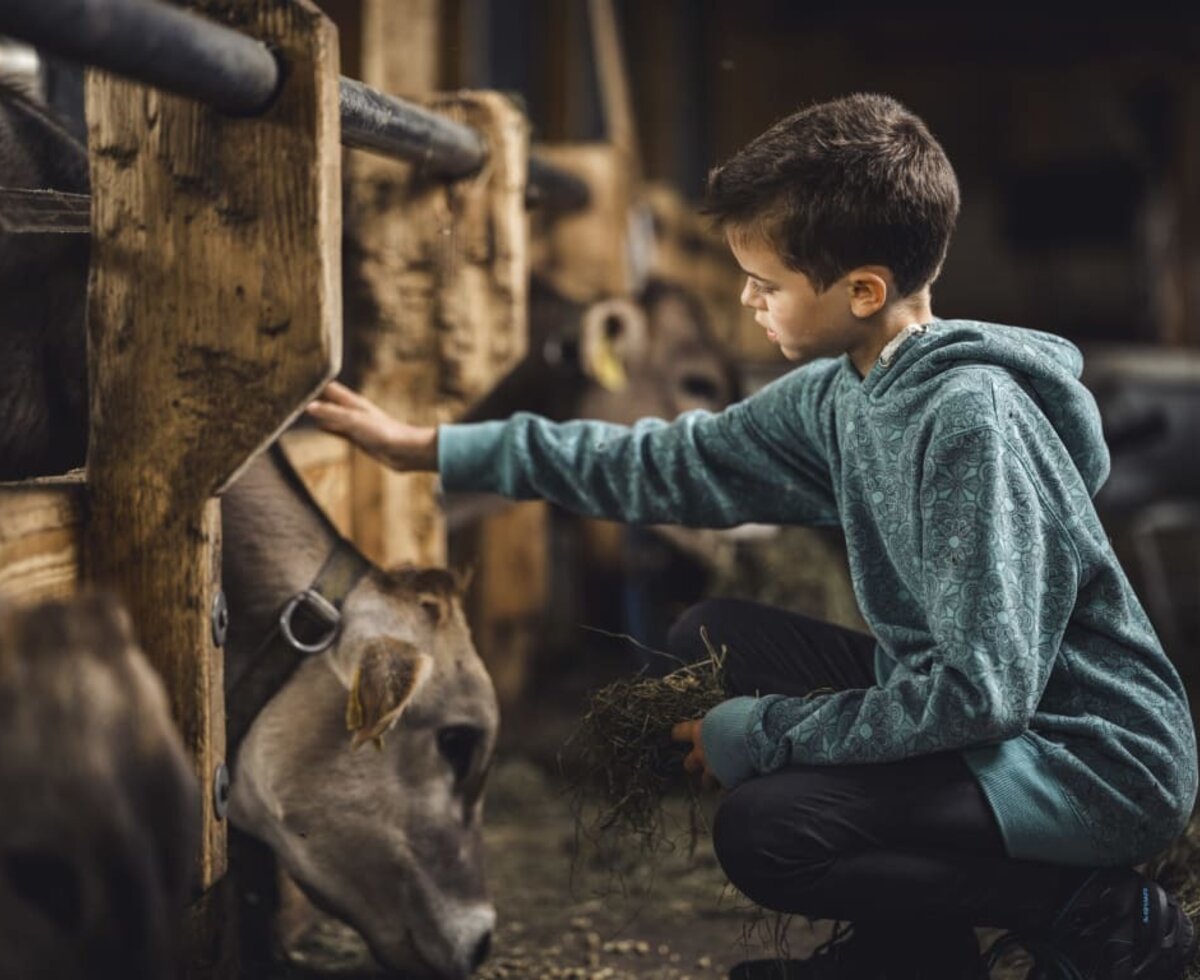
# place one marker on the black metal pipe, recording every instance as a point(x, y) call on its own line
point(185, 53)
point(385, 124)
point(164, 46)
point(554, 189)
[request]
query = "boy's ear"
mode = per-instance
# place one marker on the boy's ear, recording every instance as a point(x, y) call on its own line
point(869, 288)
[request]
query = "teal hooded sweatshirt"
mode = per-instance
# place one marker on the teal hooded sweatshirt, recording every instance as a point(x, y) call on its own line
point(962, 469)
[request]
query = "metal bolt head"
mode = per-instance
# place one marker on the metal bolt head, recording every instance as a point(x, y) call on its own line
point(220, 618)
point(221, 790)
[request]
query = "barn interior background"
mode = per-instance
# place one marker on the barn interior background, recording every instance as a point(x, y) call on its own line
point(1077, 145)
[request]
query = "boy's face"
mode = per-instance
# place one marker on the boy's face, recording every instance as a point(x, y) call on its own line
point(804, 323)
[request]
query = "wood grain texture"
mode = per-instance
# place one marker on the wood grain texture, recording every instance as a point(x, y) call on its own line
point(436, 281)
point(323, 462)
point(585, 255)
point(402, 42)
point(214, 316)
point(508, 594)
point(41, 527)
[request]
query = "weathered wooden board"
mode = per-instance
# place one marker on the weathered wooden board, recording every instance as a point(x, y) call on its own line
point(504, 546)
point(323, 462)
point(586, 254)
point(436, 285)
point(214, 316)
point(41, 527)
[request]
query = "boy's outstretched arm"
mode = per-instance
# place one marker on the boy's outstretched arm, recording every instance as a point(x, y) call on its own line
point(402, 447)
point(761, 460)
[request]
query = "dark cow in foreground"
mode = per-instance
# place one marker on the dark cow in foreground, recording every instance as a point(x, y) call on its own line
point(101, 813)
point(43, 388)
point(388, 839)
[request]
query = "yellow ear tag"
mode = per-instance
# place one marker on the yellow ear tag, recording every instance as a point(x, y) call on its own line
point(608, 369)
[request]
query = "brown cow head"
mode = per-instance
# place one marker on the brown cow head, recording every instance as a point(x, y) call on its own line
point(365, 774)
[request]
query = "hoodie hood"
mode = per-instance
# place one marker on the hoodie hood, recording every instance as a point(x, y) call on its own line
point(1047, 366)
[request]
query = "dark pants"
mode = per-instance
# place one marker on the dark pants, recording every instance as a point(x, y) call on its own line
point(906, 841)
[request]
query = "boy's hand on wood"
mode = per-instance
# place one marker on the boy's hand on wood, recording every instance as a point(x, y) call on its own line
point(694, 762)
point(346, 413)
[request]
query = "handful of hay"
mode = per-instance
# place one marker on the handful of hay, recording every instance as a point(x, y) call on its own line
point(624, 757)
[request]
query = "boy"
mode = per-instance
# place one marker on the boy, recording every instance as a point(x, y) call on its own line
point(1012, 739)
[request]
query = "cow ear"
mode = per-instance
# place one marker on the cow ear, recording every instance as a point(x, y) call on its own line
point(612, 341)
point(464, 575)
point(385, 681)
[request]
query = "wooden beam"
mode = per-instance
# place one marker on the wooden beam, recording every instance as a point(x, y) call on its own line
point(323, 463)
point(508, 593)
point(41, 524)
point(402, 46)
point(586, 254)
point(214, 316)
point(612, 81)
point(436, 296)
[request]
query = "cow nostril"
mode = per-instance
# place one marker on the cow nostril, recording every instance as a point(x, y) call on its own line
point(482, 948)
point(701, 387)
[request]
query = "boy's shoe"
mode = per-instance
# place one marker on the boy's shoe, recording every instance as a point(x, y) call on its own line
point(1119, 925)
point(872, 952)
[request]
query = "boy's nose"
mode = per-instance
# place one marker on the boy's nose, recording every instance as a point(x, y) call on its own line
point(749, 297)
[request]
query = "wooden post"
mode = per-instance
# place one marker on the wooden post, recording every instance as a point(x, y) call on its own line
point(402, 45)
point(586, 254)
point(214, 316)
point(436, 299)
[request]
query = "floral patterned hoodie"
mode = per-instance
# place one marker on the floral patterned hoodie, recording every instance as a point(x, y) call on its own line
point(962, 469)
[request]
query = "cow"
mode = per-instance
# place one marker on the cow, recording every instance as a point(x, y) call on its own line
point(387, 838)
point(616, 359)
point(101, 814)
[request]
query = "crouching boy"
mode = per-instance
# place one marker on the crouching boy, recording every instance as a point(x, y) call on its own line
point(1011, 739)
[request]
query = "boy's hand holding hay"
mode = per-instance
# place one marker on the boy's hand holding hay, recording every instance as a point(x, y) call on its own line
point(627, 749)
point(695, 762)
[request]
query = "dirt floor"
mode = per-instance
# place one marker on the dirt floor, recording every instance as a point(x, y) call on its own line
point(564, 914)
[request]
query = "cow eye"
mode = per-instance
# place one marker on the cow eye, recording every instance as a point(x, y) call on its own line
point(458, 744)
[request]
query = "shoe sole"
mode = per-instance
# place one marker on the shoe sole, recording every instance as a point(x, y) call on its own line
point(1176, 945)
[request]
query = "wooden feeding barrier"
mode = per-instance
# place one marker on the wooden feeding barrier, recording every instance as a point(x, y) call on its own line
point(214, 315)
point(215, 312)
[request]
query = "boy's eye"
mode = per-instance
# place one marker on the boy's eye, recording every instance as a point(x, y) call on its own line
point(761, 288)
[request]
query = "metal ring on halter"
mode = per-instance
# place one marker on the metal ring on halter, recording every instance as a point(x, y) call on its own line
point(322, 609)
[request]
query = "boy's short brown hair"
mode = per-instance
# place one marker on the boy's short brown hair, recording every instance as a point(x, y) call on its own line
point(856, 181)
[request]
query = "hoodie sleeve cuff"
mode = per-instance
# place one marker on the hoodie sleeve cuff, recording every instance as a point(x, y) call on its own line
point(723, 737)
point(467, 455)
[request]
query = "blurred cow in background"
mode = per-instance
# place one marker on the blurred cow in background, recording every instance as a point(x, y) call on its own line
point(654, 354)
point(616, 359)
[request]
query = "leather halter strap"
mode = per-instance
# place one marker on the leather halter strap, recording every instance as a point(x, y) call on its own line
point(282, 651)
